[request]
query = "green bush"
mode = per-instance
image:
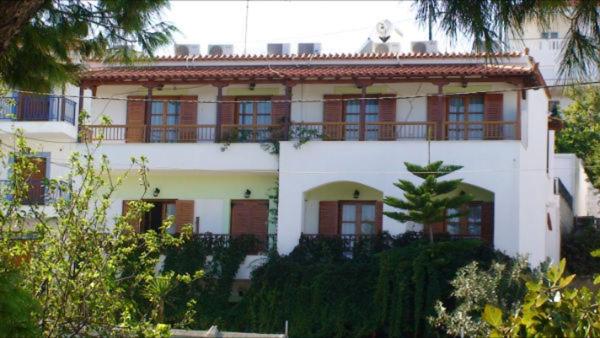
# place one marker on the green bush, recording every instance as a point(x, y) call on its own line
point(576, 248)
point(323, 293)
point(17, 307)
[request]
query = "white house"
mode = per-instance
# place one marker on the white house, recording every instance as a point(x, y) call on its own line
point(207, 126)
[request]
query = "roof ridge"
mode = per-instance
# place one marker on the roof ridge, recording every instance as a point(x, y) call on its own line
point(325, 56)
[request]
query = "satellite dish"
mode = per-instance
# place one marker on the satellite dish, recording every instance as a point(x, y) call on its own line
point(384, 28)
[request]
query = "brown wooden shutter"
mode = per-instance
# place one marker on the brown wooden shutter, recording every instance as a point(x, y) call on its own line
point(249, 217)
point(487, 222)
point(493, 112)
point(436, 112)
point(135, 222)
point(184, 214)
point(328, 217)
point(136, 119)
point(437, 227)
point(227, 115)
point(280, 116)
point(387, 113)
point(333, 112)
point(188, 117)
point(378, 217)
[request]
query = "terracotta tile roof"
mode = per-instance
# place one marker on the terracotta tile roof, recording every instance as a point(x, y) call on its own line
point(200, 73)
point(337, 56)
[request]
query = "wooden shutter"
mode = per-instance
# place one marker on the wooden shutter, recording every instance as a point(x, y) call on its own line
point(333, 112)
point(487, 222)
point(184, 214)
point(280, 116)
point(188, 117)
point(35, 180)
point(249, 217)
point(227, 116)
point(437, 227)
point(136, 220)
point(493, 111)
point(136, 119)
point(436, 112)
point(378, 217)
point(328, 217)
point(387, 113)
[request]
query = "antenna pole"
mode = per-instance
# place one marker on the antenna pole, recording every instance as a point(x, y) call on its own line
point(430, 22)
point(246, 25)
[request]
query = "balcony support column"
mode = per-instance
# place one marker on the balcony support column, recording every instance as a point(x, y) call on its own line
point(288, 119)
point(441, 98)
point(362, 84)
point(219, 119)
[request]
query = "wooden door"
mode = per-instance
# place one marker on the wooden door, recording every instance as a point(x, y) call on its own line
point(250, 217)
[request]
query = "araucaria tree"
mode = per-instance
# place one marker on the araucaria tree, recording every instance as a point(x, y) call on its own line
point(430, 202)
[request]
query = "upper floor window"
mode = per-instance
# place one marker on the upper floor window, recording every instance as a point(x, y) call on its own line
point(254, 118)
point(549, 35)
point(352, 119)
point(465, 117)
point(164, 118)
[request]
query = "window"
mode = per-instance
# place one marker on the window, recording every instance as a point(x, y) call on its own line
point(549, 35)
point(164, 118)
point(357, 218)
point(254, 118)
point(157, 214)
point(553, 107)
point(465, 117)
point(35, 179)
point(468, 223)
point(352, 119)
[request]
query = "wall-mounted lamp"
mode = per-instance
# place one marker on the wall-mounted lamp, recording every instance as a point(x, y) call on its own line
point(252, 85)
point(356, 194)
point(156, 192)
point(247, 193)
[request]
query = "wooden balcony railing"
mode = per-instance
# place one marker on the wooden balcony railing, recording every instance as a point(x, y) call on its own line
point(481, 130)
point(372, 130)
point(150, 134)
point(252, 133)
point(327, 131)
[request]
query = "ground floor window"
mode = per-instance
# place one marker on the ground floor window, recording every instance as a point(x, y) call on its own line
point(474, 220)
point(154, 218)
point(357, 218)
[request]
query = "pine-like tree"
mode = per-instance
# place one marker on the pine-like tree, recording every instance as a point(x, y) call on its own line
point(428, 202)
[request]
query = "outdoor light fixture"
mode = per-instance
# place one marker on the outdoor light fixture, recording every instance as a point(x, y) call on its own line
point(247, 193)
point(156, 192)
point(356, 194)
point(252, 85)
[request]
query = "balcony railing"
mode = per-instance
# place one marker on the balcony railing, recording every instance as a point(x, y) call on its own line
point(256, 243)
point(38, 108)
point(372, 130)
point(326, 131)
point(481, 130)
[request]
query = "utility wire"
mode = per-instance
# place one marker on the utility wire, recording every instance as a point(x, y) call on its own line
point(572, 84)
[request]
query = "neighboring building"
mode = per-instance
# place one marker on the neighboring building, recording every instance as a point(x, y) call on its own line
point(205, 124)
point(545, 45)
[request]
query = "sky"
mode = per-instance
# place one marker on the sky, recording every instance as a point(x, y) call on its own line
point(340, 26)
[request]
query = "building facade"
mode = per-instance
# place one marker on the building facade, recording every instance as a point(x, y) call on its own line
point(285, 146)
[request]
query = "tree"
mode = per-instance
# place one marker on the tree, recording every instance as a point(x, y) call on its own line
point(581, 132)
point(90, 273)
point(43, 40)
point(486, 22)
point(430, 202)
point(550, 308)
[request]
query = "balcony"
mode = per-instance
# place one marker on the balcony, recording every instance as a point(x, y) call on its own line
point(27, 111)
point(252, 244)
point(326, 131)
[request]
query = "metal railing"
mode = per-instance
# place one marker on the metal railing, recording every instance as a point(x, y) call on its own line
point(38, 108)
point(481, 130)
